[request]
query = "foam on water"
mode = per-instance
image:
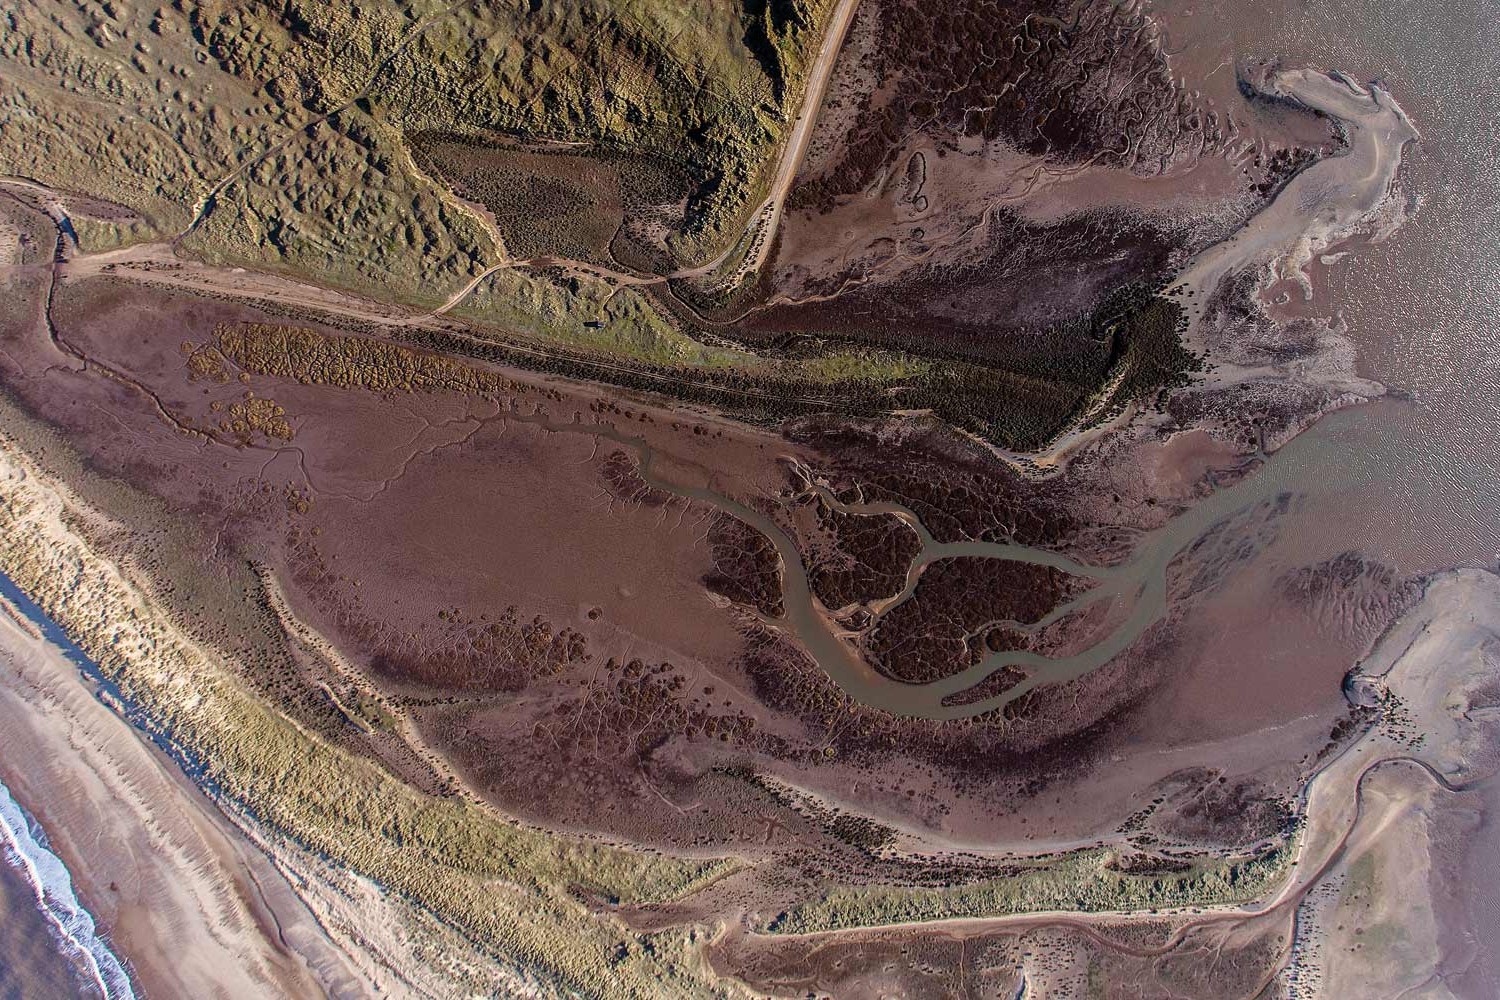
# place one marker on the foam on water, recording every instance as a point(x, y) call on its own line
point(72, 925)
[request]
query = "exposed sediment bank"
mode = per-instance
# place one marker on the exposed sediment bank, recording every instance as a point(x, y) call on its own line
point(1376, 815)
point(1333, 200)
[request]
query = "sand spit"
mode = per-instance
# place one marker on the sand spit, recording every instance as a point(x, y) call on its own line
point(1341, 198)
point(1336, 199)
point(1369, 872)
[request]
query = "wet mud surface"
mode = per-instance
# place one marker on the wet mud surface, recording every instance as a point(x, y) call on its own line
point(872, 652)
point(545, 576)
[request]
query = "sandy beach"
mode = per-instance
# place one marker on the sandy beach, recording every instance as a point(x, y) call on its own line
point(189, 906)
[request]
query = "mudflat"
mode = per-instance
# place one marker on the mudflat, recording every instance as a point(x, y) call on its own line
point(781, 498)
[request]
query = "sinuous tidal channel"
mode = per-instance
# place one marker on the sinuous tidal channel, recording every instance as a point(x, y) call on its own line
point(1141, 580)
point(1320, 204)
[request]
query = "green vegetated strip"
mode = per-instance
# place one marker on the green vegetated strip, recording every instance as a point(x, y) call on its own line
point(851, 383)
point(1152, 351)
point(1019, 402)
point(1130, 346)
point(1078, 882)
point(626, 348)
point(435, 361)
point(1017, 389)
point(308, 356)
point(1010, 409)
point(504, 887)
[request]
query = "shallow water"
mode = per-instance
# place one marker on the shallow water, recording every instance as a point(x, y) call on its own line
point(94, 970)
point(1423, 310)
point(1142, 579)
point(30, 963)
point(1410, 481)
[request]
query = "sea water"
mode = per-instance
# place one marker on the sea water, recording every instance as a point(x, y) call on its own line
point(34, 874)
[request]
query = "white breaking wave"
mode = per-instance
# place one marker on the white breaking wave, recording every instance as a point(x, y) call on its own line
point(49, 880)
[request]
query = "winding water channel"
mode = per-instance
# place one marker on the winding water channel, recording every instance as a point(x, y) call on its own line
point(1323, 203)
point(1142, 579)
